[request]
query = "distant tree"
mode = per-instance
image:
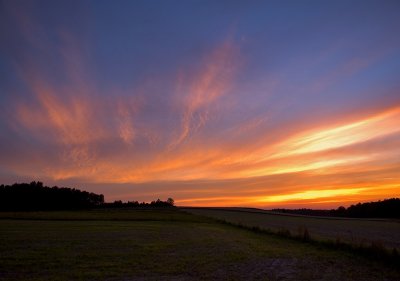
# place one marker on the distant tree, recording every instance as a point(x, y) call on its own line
point(118, 203)
point(135, 204)
point(170, 201)
point(341, 211)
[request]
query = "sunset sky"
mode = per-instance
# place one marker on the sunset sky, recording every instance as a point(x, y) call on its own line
point(213, 103)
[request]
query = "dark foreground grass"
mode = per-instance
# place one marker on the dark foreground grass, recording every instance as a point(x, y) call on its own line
point(181, 247)
point(138, 214)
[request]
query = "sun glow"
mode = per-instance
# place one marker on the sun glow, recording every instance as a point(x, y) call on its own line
point(312, 194)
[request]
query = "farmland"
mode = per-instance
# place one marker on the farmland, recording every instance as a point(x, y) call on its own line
point(352, 231)
point(163, 245)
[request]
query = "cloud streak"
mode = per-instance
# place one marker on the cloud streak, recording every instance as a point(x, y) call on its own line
point(199, 92)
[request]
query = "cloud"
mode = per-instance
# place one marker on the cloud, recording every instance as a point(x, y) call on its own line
point(382, 124)
point(197, 93)
point(125, 121)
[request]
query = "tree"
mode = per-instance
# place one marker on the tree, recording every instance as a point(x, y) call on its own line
point(170, 201)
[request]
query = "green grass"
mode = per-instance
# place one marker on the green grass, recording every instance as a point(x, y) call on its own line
point(158, 245)
point(360, 232)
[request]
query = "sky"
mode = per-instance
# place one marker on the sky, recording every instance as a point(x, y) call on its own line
point(214, 103)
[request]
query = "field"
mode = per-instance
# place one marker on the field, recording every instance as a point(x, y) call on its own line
point(361, 232)
point(163, 245)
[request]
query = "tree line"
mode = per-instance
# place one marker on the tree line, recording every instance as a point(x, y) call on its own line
point(388, 208)
point(136, 204)
point(35, 196)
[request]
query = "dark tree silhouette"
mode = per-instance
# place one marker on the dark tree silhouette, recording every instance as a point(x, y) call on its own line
point(388, 208)
point(135, 204)
point(171, 201)
point(36, 196)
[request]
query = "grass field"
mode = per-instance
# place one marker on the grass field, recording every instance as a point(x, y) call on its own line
point(153, 214)
point(163, 245)
point(353, 231)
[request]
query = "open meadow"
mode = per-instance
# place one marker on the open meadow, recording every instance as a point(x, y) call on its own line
point(360, 232)
point(164, 245)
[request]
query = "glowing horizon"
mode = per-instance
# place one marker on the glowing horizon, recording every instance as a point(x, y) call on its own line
point(221, 115)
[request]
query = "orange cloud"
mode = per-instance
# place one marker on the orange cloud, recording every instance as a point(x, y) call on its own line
point(68, 122)
point(379, 125)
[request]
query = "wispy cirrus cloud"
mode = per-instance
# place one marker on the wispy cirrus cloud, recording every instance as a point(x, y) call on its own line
point(196, 93)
